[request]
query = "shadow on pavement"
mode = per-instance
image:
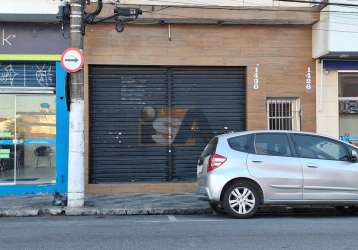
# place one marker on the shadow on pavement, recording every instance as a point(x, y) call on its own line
point(298, 212)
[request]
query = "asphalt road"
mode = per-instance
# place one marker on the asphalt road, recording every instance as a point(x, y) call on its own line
point(330, 231)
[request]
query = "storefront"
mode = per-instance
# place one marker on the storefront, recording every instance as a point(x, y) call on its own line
point(33, 112)
point(339, 89)
point(156, 93)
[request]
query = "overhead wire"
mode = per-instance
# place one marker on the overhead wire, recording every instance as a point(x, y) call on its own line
point(332, 30)
point(255, 8)
point(263, 10)
point(203, 4)
point(340, 31)
point(319, 2)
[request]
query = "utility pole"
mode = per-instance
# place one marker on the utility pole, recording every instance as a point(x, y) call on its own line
point(75, 195)
point(78, 19)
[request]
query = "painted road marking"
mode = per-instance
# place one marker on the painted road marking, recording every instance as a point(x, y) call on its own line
point(179, 221)
point(172, 218)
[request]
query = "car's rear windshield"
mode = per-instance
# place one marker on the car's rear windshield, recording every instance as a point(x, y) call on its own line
point(210, 148)
point(241, 143)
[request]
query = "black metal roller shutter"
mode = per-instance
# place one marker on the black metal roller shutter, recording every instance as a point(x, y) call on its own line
point(214, 98)
point(119, 152)
point(150, 123)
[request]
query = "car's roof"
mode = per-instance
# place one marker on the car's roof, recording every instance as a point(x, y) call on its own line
point(233, 134)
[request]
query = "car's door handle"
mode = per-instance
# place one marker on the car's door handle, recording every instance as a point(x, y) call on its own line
point(257, 161)
point(312, 166)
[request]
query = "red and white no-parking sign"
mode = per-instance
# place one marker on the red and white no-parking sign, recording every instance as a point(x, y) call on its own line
point(72, 60)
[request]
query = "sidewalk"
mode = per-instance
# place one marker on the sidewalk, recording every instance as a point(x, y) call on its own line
point(128, 204)
point(107, 204)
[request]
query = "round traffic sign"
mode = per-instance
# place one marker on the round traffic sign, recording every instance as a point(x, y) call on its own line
point(72, 60)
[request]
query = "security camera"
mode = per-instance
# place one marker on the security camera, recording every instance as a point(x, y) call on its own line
point(128, 12)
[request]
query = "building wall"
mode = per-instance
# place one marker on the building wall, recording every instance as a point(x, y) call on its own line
point(269, 3)
point(188, 14)
point(336, 31)
point(327, 101)
point(30, 6)
point(29, 10)
point(283, 53)
point(320, 44)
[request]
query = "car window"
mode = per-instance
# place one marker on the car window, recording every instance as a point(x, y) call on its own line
point(241, 143)
point(317, 147)
point(275, 144)
point(210, 148)
point(353, 148)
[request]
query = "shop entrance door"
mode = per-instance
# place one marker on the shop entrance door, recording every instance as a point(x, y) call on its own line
point(27, 138)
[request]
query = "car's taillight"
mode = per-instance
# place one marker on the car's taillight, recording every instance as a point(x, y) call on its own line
point(215, 161)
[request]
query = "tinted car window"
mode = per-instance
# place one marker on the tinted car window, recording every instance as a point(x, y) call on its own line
point(316, 147)
point(241, 143)
point(353, 148)
point(272, 144)
point(210, 148)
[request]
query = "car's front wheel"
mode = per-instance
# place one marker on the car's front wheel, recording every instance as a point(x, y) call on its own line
point(241, 200)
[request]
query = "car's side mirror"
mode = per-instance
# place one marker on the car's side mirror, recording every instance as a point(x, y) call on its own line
point(354, 156)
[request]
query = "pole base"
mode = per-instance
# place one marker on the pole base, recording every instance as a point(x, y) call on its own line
point(75, 199)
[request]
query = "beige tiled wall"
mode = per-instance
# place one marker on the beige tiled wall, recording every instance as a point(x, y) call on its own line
point(327, 101)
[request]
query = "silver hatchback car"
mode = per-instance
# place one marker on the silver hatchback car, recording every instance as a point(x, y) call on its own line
point(239, 172)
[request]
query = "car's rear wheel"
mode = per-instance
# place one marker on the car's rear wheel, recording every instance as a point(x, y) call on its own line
point(241, 200)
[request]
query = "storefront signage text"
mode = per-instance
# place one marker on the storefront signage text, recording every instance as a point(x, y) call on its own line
point(256, 78)
point(348, 106)
point(32, 38)
point(6, 38)
point(308, 81)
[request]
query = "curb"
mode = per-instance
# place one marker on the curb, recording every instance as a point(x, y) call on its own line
point(88, 211)
point(93, 211)
point(27, 212)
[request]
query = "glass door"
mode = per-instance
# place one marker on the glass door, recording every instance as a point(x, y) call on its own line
point(36, 138)
point(28, 139)
point(7, 137)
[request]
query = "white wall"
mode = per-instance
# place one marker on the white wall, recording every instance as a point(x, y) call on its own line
point(337, 31)
point(327, 113)
point(320, 36)
point(344, 29)
point(29, 6)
